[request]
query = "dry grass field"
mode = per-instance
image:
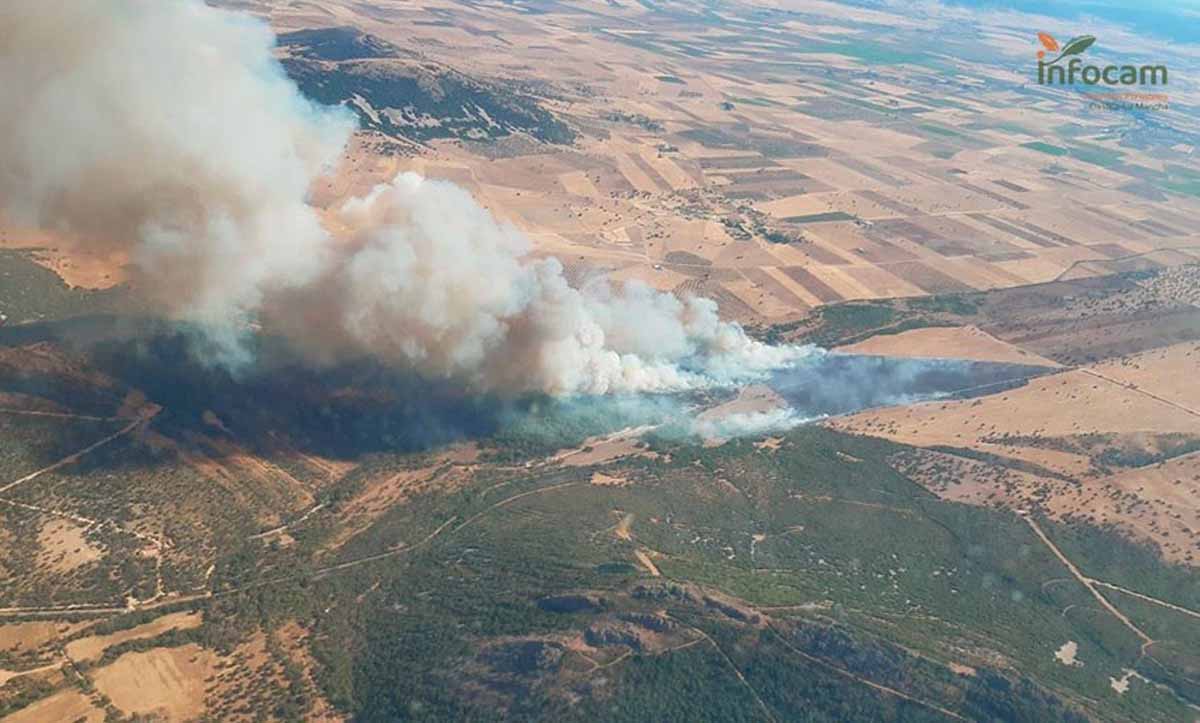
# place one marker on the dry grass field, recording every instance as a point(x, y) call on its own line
point(27, 637)
point(93, 646)
point(69, 705)
point(1074, 403)
point(76, 266)
point(953, 342)
point(1112, 443)
point(164, 682)
point(65, 547)
point(1167, 373)
point(1155, 504)
point(893, 188)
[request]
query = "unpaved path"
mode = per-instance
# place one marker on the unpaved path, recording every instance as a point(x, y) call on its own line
point(857, 678)
point(508, 500)
point(59, 415)
point(1147, 598)
point(647, 562)
point(287, 526)
point(379, 556)
point(761, 703)
point(7, 675)
point(856, 503)
point(73, 458)
point(1088, 583)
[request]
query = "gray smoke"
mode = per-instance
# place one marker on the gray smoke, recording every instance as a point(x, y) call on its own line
point(166, 128)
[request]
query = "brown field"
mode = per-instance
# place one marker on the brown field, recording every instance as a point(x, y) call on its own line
point(1170, 492)
point(77, 267)
point(93, 646)
point(772, 188)
point(30, 636)
point(955, 204)
point(1061, 405)
point(603, 449)
point(244, 683)
point(165, 682)
point(1156, 504)
point(1051, 443)
point(228, 466)
point(1168, 373)
point(67, 705)
point(294, 639)
point(604, 480)
point(750, 399)
point(64, 546)
point(963, 342)
point(381, 493)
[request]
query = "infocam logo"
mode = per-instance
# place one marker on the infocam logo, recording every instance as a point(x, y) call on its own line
point(1057, 72)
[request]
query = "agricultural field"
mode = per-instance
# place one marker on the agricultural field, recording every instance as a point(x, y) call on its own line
point(752, 154)
point(1109, 436)
point(763, 157)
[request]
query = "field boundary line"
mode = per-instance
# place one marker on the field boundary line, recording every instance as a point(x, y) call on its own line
point(1135, 388)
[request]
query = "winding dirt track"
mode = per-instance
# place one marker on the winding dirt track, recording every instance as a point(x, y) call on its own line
point(1129, 257)
point(1088, 583)
point(761, 703)
point(58, 415)
point(7, 675)
point(73, 458)
point(877, 686)
point(1146, 598)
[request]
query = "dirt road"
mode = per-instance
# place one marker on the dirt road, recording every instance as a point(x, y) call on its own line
point(73, 458)
point(1087, 582)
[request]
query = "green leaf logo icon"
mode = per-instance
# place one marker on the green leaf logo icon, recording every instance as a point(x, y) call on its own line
point(1075, 46)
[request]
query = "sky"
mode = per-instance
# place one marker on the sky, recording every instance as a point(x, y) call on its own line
point(1177, 21)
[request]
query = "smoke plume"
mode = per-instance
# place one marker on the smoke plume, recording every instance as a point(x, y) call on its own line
point(167, 128)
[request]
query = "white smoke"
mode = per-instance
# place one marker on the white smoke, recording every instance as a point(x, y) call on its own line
point(748, 424)
point(435, 282)
point(167, 127)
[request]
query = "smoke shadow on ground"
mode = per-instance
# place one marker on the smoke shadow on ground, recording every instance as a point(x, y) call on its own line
point(834, 384)
point(827, 384)
point(281, 403)
point(340, 411)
